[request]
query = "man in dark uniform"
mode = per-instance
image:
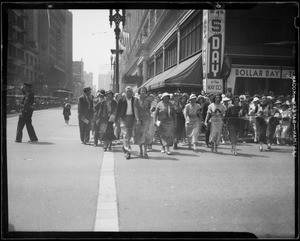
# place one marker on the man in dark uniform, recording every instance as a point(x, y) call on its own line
point(27, 107)
point(85, 114)
point(125, 114)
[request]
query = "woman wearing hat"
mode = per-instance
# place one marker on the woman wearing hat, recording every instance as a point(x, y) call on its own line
point(272, 122)
point(253, 108)
point(179, 129)
point(282, 129)
point(215, 114)
point(225, 134)
point(192, 121)
point(261, 122)
point(107, 118)
point(165, 119)
point(142, 114)
point(67, 112)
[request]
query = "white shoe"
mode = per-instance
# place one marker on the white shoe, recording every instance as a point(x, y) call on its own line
point(162, 151)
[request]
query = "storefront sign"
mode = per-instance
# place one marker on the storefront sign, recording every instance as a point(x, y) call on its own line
point(213, 50)
point(262, 73)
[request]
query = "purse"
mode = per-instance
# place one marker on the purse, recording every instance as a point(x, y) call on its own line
point(112, 118)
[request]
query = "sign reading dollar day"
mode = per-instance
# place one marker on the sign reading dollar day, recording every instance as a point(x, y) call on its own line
point(213, 50)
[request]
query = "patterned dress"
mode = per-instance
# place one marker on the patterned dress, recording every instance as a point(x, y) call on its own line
point(165, 113)
point(216, 111)
point(142, 112)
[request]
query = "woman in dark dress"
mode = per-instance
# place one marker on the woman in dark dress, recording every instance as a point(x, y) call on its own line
point(232, 116)
point(108, 113)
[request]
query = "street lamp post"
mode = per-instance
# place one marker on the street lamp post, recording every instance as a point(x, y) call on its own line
point(117, 18)
point(113, 65)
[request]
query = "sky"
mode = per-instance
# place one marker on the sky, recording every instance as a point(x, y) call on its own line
point(93, 38)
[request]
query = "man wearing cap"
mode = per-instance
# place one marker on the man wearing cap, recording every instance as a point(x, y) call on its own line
point(125, 114)
point(27, 107)
point(85, 114)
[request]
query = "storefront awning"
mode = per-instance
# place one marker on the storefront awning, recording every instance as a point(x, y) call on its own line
point(187, 74)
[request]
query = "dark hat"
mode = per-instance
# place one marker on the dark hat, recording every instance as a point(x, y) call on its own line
point(27, 84)
point(109, 92)
point(86, 89)
point(102, 92)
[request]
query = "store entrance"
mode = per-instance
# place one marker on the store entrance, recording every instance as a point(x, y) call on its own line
point(263, 86)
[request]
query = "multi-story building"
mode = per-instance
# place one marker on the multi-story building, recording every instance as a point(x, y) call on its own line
point(40, 49)
point(88, 79)
point(78, 78)
point(22, 49)
point(240, 50)
point(105, 81)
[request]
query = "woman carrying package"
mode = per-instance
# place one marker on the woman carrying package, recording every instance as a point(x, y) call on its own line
point(215, 115)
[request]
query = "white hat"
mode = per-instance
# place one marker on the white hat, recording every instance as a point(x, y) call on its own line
point(223, 95)
point(192, 96)
point(225, 99)
point(164, 95)
point(255, 99)
point(243, 97)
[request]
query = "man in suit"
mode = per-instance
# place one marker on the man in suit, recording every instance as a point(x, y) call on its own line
point(85, 114)
point(27, 107)
point(125, 114)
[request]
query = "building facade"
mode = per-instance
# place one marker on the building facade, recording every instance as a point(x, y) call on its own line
point(78, 78)
point(39, 49)
point(241, 50)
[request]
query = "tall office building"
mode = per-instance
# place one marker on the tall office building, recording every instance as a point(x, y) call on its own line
point(39, 49)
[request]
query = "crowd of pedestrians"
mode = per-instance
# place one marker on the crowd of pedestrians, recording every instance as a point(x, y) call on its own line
point(171, 119)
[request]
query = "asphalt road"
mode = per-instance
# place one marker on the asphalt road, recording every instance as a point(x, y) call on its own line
point(54, 185)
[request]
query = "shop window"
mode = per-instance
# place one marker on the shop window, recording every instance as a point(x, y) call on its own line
point(191, 37)
point(263, 86)
point(151, 69)
point(159, 63)
point(171, 54)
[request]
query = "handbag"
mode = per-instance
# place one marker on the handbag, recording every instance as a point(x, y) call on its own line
point(112, 118)
point(157, 123)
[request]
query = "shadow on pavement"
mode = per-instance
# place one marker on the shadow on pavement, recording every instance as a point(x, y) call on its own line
point(240, 154)
point(41, 143)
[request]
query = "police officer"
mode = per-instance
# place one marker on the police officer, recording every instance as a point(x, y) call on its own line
point(27, 107)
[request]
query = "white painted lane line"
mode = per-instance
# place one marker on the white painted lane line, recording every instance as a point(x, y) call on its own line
point(107, 208)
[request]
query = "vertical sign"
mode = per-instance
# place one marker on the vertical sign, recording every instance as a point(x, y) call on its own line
point(213, 50)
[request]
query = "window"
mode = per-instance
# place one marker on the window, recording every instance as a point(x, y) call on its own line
point(159, 62)
point(171, 53)
point(191, 37)
point(151, 68)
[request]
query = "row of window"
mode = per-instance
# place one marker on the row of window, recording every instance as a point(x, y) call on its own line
point(190, 43)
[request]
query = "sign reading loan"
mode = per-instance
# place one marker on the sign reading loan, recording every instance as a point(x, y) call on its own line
point(213, 50)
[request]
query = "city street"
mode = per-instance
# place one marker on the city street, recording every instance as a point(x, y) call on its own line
point(59, 184)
